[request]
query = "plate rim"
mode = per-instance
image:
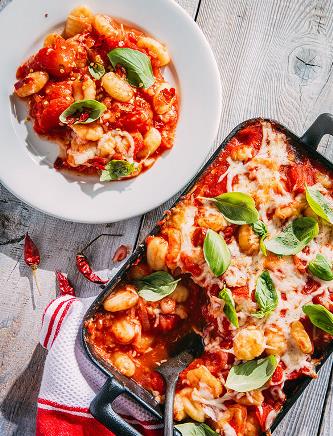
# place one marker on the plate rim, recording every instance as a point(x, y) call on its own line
point(157, 200)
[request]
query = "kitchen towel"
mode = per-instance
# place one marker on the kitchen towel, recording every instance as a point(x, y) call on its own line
point(70, 380)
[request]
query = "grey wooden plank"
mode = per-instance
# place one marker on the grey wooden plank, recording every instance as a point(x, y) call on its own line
point(22, 306)
point(21, 358)
point(325, 428)
point(258, 45)
point(190, 6)
point(305, 416)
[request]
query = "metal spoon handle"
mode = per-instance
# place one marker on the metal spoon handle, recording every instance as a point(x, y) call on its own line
point(168, 408)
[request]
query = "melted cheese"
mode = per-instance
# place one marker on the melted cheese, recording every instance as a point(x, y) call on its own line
point(259, 177)
point(228, 430)
point(294, 358)
point(186, 230)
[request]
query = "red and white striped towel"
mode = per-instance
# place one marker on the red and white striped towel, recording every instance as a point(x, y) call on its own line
point(70, 380)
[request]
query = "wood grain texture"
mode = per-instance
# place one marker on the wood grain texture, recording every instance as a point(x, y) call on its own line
point(22, 358)
point(275, 59)
point(262, 48)
point(325, 428)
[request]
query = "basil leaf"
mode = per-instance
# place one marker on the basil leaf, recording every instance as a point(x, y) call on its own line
point(208, 431)
point(229, 306)
point(192, 429)
point(236, 207)
point(319, 204)
point(265, 295)
point(82, 112)
point(320, 317)
point(251, 375)
point(260, 229)
point(216, 253)
point(136, 64)
point(116, 169)
point(156, 286)
point(320, 267)
point(96, 70)
point(294, 237)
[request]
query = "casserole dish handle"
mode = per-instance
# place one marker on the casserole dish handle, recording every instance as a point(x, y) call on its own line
point(321, 126)
point(101, 409)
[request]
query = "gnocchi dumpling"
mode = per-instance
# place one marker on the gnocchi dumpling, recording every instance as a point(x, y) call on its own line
point(88, 132)
point(117, 87)
point(180, 294)
point(121, 299)
point(184, 406)
point(104, 25)
point(157, 249)
point(241, 153)
point(152, 140)
point(301, 337)
point(31, 84)
point(249, 343)
point(123, 363)
point(88, 89)
point(276, 342)
point(155, 49)
point(125, 330)
point(52, 38)
point(84, 89)
point(79, 20)
point(211, 218)
point(202, 375)
point(252, 398)
point(248, 241)
point(164, 98)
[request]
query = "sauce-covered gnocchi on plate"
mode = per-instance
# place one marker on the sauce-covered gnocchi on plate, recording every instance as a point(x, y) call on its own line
point(245, 258)
point(97, 89)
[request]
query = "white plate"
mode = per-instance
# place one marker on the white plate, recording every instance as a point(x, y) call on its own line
point(26, 162)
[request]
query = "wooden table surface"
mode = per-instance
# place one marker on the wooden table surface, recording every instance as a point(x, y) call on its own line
point(275, 59)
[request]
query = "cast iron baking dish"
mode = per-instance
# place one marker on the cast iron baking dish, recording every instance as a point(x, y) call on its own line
point(117, 384)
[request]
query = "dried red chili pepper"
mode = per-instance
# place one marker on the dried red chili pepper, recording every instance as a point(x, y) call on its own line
point(83, 265)
point(120, 254)
point(31, 256)
point(64, 285)
point(85, 269)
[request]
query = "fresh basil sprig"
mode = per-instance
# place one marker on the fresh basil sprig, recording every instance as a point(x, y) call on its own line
point(319, 204)
point(192, 429)
point(236, 207)
point(251, 375)
point(229, 306)
point(216, 253)
point(265, 295)
point(96, 70)
point(156, 286)
point(260, 229)
point(136, 64)
point(320, 267)
point(116, 169)
point(294, 237)
point(320, 317)
point(82, 112)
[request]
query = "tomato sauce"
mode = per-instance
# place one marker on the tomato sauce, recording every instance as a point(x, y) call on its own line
point(212, 183)
point(217, 330)
point(163, 331)
point(66, 61)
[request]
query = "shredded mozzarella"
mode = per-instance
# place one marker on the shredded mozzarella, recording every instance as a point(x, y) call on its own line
point(260, 177)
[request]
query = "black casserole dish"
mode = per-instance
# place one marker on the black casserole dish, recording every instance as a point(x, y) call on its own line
point(279, 334)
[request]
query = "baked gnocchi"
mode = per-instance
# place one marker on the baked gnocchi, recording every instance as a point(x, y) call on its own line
point(97, 78)
point(233, 277)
